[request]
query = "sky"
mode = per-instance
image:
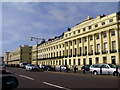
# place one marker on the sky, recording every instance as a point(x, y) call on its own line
point(22, 20)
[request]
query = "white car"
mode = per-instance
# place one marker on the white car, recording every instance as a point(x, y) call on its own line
point(106, 69)
point(22, 65)
point(63, 67)
point(31, 67)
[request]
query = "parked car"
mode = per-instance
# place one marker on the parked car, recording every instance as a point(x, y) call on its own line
point(2, 68)
point(47, 67)
point(31, 67)
point(106, 69)
point(86, 67)
point(63, 67)
point(22, 65)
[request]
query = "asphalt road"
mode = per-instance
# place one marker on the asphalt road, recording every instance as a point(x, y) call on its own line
point(65, 81)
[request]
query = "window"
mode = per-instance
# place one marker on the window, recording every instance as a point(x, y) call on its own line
point(80, 40)
point(60, 46)
point(91, 38)
point(103, 23)
point(111, 20)
point(97, 60)
point(97, 36)
point(113, 45)
point(74, 32)
point(74, 61)
point(80, 50)
point(98, 48)
point(78, 61)
point(71, 43)
point(85, 39)
point(75, 42)
point(59, 62)
point(63, 45)
point(104, 34)
point(69, 61)
point(96, 25)
point(71, 52)
point(113, 33)
point(60, 53)
point(104, 59)
point(84, 61)
point(69, 34)
point(83, 29)
point(85, 49)
point(91, 48)
point(78, 31)
point(75, 51)
point(66, 35)
point(105, 46)
point(90, 27)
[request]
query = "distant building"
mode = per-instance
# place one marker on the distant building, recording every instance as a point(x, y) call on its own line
point(91, 41)
point(6, 57)
point(19, 55)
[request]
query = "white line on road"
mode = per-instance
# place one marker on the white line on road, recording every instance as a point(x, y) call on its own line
point(56, 86)
point(27, 77)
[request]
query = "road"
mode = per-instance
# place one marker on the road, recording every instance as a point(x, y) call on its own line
point(66, 81)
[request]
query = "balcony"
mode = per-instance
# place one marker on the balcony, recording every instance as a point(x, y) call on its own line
point(65, 56)
point(97, 53)
point(84, 54)
point(79, 55)
point(90, 53)
point(70, 55)
point(113, 51)
point(104, 52)
point(74, 55)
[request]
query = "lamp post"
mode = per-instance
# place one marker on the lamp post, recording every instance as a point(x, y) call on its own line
point(37, 40)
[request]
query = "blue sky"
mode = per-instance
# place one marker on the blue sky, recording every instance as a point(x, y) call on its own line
point(21, 20)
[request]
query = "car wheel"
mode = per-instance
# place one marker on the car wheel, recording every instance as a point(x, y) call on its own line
point(95, 73)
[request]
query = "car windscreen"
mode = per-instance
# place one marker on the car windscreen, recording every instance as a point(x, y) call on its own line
point(32, 65)
point(112, 65)
point(24, 64)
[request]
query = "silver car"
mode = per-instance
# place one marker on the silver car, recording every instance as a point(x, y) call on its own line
point(31, 67)
point(105, 68)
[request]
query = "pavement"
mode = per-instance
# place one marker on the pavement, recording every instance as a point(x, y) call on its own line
point(62, 80)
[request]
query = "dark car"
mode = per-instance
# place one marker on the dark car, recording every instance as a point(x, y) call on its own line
point(48, 68)
point(86, 67)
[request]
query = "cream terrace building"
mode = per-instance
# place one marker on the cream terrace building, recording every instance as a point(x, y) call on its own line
point(19, 55)
point(91, 41)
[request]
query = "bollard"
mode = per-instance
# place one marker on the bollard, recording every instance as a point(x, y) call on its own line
point(67, 69)
point(117, 71)
point(84, 70)
point(100, 70)
point(60, 68)
point(75, 69)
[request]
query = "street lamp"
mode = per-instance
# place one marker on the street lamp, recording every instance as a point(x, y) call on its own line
point(37, 40)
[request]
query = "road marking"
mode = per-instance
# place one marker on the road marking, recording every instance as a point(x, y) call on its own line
point(56, 86)
point(27, 77)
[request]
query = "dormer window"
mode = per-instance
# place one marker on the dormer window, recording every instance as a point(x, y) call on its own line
point(103, 23)
point(90, 27)
point(74, 32)
point(83, 29)
point(111, 20)
point(78, 31)
point(96, 25)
